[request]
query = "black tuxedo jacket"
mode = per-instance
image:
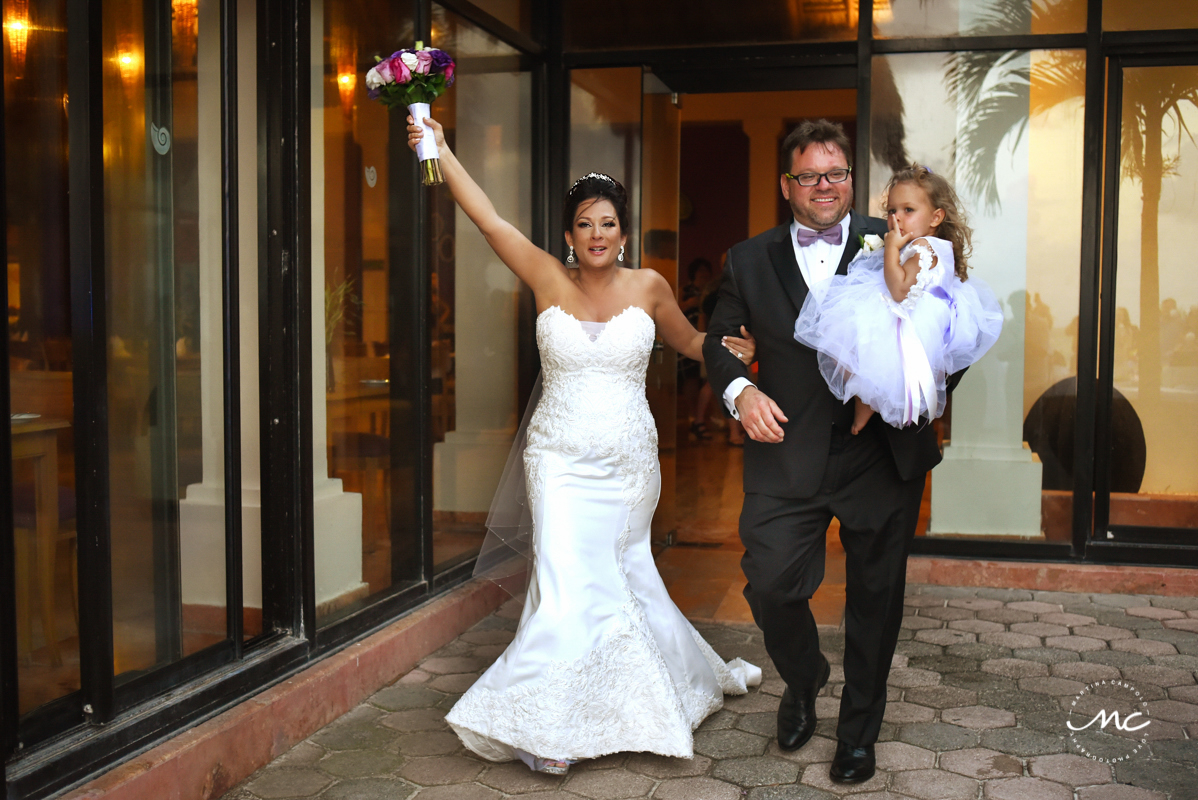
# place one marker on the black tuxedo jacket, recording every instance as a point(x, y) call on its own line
point(763, 290)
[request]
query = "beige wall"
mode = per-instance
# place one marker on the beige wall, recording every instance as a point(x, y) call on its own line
point(767, 117)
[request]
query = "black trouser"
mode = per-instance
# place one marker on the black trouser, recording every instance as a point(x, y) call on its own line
point(784, 564)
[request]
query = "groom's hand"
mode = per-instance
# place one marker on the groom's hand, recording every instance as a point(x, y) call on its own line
point(760, 416)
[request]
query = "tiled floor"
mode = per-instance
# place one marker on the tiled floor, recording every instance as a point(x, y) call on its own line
point(702, 570)
point(980, 694)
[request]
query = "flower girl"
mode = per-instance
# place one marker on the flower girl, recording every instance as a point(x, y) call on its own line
point(905, 317)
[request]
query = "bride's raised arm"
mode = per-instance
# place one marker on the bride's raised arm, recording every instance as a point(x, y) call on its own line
point(530, 263)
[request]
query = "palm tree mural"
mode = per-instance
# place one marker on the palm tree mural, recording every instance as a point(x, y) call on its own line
point(1001, 92)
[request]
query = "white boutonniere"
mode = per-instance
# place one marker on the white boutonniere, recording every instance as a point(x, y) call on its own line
point(871, 243)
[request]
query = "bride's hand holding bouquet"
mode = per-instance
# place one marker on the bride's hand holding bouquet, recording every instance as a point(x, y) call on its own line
point(414, 79)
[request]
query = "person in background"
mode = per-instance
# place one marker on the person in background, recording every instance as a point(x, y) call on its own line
point(690, 371)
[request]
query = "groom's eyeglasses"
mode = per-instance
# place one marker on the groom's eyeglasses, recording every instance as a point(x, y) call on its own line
point(813, 178)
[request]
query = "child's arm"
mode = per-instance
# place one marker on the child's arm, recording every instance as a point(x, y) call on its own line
point(900, 277)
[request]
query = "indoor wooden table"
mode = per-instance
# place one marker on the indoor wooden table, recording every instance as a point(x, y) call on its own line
point(37, 439)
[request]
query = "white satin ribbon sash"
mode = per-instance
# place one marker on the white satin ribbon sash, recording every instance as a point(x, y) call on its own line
point(919, 385)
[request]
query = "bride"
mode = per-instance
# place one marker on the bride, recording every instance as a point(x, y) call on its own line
point(602, 661)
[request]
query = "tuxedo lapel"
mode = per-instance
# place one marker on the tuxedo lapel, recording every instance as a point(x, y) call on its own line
point(782, 256)
point(853, 245)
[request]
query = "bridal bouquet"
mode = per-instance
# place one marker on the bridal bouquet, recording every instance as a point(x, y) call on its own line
point(414, 78)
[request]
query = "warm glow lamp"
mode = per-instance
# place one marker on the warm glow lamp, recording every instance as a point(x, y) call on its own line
point(16, 29)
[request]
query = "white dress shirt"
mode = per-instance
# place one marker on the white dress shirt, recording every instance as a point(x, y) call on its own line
point(817, 262)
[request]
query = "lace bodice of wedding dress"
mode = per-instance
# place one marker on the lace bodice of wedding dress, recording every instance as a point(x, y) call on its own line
point(593, 396)
point(602, 660)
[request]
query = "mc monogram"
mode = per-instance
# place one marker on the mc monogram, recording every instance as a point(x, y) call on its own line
point(1108, 721)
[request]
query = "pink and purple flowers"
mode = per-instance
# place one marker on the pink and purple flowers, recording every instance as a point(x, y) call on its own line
point(420, 75)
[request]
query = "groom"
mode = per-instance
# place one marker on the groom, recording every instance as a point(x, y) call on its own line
point(804, 466)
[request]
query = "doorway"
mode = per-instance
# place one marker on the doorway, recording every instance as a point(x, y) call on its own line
point(728, 192)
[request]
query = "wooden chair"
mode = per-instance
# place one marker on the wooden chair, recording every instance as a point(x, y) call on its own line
point(30, 563)
point(48, 393)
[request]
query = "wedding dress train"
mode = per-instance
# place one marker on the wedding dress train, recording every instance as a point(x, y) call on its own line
point(602, 660)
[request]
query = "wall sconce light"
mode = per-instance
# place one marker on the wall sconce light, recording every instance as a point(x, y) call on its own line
point(128, 60)
point(346, 81)
point(16, 29)
point(128, 65)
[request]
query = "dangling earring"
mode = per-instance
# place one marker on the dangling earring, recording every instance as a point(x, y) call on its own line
point(570, 258)
point(621, 256)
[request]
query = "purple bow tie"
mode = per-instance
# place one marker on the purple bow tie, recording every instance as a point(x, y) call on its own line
point(830, 235)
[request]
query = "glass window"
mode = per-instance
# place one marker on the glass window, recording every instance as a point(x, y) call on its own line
point(1007, 129)
point(363, 547)
point(635, 24)
point(164, 364)
point(1154, 412)
point(516, 14)
point(199, 348)
point(39, 348)
point(474, 298)
point(161, 147)
point(895, 19)
point(369, 467)
point(1146, 15)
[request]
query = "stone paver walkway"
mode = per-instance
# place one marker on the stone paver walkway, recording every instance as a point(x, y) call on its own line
point(979, 698)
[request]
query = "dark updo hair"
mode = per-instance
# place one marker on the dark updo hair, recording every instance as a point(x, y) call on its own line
point(596, 186)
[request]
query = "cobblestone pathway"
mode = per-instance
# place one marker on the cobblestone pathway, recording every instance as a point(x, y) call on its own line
point(978, 700)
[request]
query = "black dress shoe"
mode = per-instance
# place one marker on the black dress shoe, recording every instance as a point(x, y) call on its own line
point(796, 714)
point(853, 764)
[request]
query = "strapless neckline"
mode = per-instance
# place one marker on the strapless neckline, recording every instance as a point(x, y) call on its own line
point(615, 317)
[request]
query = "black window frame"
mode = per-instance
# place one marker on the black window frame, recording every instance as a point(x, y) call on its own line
point(72, 738)
point(87, 732)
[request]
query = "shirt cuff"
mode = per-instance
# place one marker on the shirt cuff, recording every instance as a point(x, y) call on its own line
point(732, 392)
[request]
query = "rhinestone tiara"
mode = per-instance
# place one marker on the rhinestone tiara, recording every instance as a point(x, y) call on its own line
point(598, 175)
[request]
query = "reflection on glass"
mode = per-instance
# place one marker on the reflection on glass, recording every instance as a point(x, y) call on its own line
point(516, 14)
point(199, 347)
point(152, 258)
point(473, 312)
point(369, 422)
point(684, 23)
point(1141, 15)
point(39, 348)
point(895, 19)
point(1013, 121)
point(366, 531)
point(1154, 414)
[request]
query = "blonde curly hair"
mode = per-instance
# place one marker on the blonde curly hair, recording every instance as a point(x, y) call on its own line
point(954, 227)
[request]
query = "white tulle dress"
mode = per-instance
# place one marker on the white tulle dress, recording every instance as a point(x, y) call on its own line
point(896, 356)
point(602, 661)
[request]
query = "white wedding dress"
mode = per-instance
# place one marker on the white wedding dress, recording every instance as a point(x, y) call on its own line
point(602, 661)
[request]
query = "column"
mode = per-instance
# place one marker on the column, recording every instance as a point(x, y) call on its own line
point(989, 481)
point(763, 172)
point(338, 515)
